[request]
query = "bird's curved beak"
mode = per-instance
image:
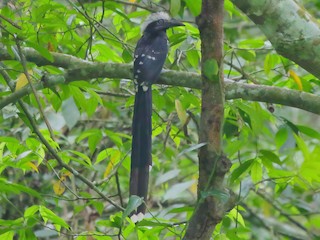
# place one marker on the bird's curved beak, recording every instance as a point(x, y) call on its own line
point(174, 23)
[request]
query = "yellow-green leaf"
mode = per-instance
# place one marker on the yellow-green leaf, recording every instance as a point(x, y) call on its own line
point(114, 159)
point(296, 78)
point(181, 112)
point(22, 80)
point(256, 171)
point(58, 187)
point(33, 166)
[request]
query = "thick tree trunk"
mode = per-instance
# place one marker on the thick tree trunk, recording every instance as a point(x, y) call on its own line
point(212, 164)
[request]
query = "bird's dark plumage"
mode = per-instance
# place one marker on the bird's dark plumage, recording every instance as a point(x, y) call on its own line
point(149, 57)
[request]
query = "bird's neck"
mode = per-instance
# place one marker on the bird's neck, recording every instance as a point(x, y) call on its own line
point(152, 34)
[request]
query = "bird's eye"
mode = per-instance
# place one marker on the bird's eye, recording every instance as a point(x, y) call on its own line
point(160, 21)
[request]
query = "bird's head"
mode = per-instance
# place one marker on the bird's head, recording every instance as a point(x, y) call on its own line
point(159, 21)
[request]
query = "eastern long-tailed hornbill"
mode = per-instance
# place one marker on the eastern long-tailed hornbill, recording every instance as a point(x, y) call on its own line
point(149, 57)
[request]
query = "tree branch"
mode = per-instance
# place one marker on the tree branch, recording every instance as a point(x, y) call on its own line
point(295, 34)
point(85, 70)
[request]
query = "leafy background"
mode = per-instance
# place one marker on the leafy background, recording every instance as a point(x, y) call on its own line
point(274, 149)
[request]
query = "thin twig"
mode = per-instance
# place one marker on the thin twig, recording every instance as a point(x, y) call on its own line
point(118, 188)
point(25, 69)
point(10, 21)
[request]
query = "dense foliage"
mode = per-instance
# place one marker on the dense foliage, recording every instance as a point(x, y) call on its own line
point(274, 149)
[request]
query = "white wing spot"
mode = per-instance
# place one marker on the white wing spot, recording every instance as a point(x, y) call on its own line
point(145, 88)
point(138, 71)
point(135, 76)
point(142, 55)
point(137, 217)
point(153, 58)
point(140, 63)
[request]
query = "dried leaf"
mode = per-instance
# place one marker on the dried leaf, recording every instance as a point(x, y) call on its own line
point(58, 187)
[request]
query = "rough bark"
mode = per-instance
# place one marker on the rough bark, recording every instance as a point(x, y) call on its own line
point(78, 69)
point(293, 32)
point(213, 165)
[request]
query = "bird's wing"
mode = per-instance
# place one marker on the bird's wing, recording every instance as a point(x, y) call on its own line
point(149, 59)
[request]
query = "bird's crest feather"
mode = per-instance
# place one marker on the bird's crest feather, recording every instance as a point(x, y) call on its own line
point(154, 17)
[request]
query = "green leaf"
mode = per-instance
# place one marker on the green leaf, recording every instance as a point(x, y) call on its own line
point(221, 195)
point(114, 137)
point(193, 58)
point(30, 211)
point(309, 131)
point(256, 171)
point(101, 156)
point(229, 7)
point(94, 141)
point(236, 216)
point(17, 188)
point(182, 209)
point(150, 223)
point(88, 133)
point(47, 214)
point(42, 50)
point(192, 148)
point(127, 56)
point(244, 167)
point(302, 146)
point(9, 140)
point(7, 236)
point(194, 6)
point(281, 137)
point(251, 43)
point(133, 204)
point(270, 62)
point(176, 38)
point(28, 234)
point(93, 103)
point(269, 155)
point(175, 7)
point(10, 223)
point(82, 156)
point(291, 125)
point(211, 69)
point(98, 205)
point(248, 55)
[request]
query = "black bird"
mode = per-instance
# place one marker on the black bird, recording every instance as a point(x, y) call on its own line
point(149, 56)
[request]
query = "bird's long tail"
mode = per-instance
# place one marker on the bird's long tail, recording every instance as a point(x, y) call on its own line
point(141, 145)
